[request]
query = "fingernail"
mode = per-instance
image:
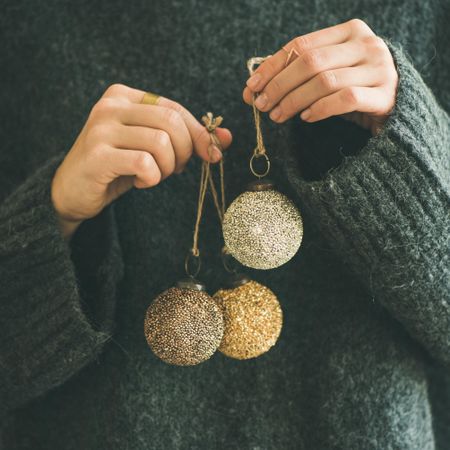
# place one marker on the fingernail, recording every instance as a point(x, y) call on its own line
point(215, 153)
point(253, 81)
point(305, 114)
point(275, 113)
point(261, 100)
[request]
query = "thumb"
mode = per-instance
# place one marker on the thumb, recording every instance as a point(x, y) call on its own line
point(203, 141)
point(225, 137)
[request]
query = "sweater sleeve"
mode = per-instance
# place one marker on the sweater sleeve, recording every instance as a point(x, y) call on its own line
point(385, 210)
point(50, 327)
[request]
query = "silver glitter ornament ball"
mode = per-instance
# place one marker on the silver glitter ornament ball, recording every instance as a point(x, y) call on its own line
point(184, 326)
point(262, 228)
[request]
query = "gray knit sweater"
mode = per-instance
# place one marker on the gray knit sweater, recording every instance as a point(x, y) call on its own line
point(363, 360)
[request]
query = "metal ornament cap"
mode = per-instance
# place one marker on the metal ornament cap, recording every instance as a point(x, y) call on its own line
point(191, 283)
point(261, 184)
point(184, 326)
point(262, 228)
point(253, 320)
point(236, 279)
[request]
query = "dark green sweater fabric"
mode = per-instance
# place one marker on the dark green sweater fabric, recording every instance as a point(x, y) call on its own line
point(363, 360)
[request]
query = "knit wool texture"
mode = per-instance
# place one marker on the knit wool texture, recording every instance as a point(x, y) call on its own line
point(363, 359)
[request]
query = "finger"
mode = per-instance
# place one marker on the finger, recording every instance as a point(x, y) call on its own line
point(322, 85)
point(305, 67)
point(151, 140)
point(121, 91)
point(167, 119)
point(355, 98)
point(199, 135)
point(225, 137)
point(335, 34)
point(124, 162)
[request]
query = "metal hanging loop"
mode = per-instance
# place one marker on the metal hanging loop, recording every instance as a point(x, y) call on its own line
point(252, 160)
point(192, 271)
point(229, 263)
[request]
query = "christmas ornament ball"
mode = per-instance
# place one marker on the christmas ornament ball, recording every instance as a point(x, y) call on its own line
point(183, 326)
point(253, 319)
point(262, 228)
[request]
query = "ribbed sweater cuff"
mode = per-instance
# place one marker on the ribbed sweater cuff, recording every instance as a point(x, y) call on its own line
point(385, 210)
point(46, 336)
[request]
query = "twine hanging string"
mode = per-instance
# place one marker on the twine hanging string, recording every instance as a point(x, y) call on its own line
point(260, 149)
point(219, 202)
point(201, 198)
point(211, 123)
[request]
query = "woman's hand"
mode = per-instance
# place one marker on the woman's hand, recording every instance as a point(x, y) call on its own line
point(344, 70)
point(125, 143)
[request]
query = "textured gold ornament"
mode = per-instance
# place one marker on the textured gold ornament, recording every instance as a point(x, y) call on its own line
point(262, 228)
point(184, 326)
point(253, 320)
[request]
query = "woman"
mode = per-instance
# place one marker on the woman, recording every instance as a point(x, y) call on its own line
point(92, 230)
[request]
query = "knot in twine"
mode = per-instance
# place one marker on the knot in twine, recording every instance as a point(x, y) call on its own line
point(211, 123)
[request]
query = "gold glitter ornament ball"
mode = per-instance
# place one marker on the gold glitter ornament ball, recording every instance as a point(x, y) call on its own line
point(262, 228)
point(253, 320)
point(183, 326)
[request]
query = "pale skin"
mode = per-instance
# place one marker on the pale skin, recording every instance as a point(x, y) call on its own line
point(344, 70)
point(125, 143)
